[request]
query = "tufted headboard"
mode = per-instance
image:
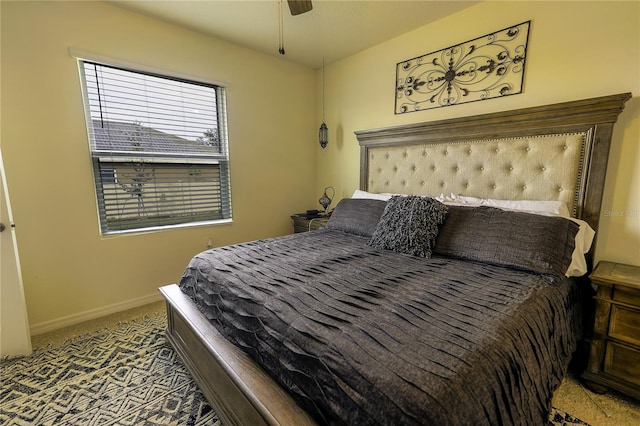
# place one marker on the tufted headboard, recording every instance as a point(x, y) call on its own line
point(552, 152)
point(544, 167)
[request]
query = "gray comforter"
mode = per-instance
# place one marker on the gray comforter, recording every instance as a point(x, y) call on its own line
point(366, 336)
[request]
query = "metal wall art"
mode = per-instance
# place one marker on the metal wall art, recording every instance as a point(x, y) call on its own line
point(487, 67)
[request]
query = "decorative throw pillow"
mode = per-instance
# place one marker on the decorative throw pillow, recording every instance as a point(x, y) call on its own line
point(357, 216)
point(542, 244)
point(409, 225)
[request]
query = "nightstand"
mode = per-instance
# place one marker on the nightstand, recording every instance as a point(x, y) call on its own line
point(614, 356)
point(302, 224)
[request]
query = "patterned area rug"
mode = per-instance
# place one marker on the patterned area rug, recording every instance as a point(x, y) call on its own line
point(128, 375)
point(124, 376)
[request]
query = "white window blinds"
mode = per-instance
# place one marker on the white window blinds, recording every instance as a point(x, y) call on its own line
point(159, 149)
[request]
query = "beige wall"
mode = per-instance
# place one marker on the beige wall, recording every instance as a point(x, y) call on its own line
point(576, 50)
point(69, 270)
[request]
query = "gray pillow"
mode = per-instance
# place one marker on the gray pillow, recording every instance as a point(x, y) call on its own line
point(542, 244)
point(357, 216)
point(409, 225)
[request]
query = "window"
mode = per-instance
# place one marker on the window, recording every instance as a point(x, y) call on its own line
point(158, 147)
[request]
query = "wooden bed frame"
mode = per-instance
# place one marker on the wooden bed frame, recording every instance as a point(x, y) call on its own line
point(239, 390)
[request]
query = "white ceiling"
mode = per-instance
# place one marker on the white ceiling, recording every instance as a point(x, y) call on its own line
point(334, 29)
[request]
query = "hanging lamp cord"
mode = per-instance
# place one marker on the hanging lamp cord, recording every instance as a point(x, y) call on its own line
point(323, 89)
point(280, 29)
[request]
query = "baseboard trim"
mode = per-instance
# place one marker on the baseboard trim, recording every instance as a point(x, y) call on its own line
point(74, 319)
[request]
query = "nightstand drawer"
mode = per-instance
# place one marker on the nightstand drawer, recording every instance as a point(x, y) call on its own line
point(626, 295)
point(614, 358)
point(622, 362)
point(625, 324)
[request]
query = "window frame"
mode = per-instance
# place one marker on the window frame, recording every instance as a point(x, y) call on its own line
point(212, 161)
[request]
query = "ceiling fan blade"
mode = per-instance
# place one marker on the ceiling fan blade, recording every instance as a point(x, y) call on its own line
point(299, 6)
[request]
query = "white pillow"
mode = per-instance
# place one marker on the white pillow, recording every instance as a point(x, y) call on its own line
point(371, 195)
point(555, 208)
point(583, 239)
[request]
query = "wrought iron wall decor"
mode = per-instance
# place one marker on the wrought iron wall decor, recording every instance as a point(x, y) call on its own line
point(487, 67)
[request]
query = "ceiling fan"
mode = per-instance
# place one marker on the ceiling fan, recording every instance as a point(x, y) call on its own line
point(296, 7)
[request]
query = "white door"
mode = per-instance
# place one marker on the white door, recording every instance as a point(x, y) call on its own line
point(15, 339)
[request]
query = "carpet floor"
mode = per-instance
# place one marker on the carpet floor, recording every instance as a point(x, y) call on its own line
point(124, 373)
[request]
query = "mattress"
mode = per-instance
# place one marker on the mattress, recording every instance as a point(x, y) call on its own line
point(359, 335)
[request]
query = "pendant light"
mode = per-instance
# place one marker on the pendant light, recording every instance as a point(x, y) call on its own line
point(323, 133)
point(280, 29)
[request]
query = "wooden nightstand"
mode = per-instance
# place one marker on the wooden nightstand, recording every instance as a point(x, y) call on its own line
point(302, 224)
point(614, 357)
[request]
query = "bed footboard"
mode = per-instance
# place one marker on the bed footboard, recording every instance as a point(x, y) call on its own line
point(237, 388)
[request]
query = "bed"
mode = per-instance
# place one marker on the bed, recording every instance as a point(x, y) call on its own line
point(462, 315)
